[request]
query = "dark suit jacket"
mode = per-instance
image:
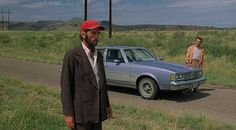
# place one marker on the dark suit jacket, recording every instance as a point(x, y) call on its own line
point(80, 95)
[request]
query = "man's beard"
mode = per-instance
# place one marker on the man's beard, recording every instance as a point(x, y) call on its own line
point(91, 44)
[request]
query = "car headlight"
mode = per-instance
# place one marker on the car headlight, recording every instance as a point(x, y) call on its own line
point(179, 76)
point(172, 77)
point(176, 77)
point(200, 73)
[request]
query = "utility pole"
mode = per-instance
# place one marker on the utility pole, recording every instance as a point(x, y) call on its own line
point(110, 15)
point(2, 20)
point(7, 22)
point(110, 18)
point(85, 9)
point(8, 19)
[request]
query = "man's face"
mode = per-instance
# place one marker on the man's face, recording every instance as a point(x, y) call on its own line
point(91, 37)
point(198, 42)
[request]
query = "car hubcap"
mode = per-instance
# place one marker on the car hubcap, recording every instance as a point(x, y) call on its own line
point(147, 89)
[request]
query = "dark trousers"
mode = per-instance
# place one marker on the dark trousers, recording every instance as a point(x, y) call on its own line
point(91, 126)
point(88, 126)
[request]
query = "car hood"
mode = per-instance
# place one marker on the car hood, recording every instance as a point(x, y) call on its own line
point(178, 68)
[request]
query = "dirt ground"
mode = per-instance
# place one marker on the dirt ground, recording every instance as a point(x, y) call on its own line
point(218, 104)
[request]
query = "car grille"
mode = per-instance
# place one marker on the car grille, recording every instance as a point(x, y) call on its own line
point(191, 75)
point(195, 75)
point(187, 76)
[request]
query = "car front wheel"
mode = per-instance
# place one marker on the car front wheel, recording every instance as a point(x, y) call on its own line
point(148, 88)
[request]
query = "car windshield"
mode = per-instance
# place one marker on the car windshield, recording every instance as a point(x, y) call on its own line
point(138, 55)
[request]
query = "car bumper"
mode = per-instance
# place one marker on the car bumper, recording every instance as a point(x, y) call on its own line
point(180, 85)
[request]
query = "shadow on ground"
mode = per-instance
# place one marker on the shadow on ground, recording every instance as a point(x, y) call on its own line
point(178, 96)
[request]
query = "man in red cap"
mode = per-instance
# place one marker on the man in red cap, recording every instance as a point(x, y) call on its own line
point(84, 96)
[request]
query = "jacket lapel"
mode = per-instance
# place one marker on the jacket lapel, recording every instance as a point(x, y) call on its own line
point(86, 66)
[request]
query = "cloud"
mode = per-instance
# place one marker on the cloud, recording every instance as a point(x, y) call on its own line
point(6, 2)
point(42, 4)
point(209, 12)
point(202, 3)
point(115, 2)
point(90, 1)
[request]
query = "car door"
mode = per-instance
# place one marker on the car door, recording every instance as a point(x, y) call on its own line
point(117, 71)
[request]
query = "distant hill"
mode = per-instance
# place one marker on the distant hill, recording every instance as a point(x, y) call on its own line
point(73, 24)
point(154, 27)
point(49, 25)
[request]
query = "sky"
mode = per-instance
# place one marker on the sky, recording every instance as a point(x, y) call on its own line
point(217, 13)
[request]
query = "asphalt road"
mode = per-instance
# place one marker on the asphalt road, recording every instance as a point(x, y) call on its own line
point(218, 104)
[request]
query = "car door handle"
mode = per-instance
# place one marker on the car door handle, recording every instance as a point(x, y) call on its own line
point(105, 66)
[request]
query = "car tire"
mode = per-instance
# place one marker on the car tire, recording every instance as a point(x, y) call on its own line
point(148, 88)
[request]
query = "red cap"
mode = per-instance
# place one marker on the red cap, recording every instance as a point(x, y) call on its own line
point(90, 24)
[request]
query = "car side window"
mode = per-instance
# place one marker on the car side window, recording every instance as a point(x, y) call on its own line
point(114, 55)
point(130, 55)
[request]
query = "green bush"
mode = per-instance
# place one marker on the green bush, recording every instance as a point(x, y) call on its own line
point(4, 39)
point(177, 44)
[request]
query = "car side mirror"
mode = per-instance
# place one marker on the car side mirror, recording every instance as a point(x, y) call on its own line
point(117, 62)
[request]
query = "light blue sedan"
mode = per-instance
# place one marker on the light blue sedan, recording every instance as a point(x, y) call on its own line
point(136, 67)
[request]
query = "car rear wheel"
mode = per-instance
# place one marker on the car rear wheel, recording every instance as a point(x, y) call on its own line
point(148, 88)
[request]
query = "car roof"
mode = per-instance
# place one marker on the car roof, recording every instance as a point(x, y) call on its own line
point(117, 47)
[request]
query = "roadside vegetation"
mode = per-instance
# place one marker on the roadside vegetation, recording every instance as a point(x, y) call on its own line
point(50, 46)
point(27, 106)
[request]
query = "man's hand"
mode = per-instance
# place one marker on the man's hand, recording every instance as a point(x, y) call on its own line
point(69, 120)
point(109, 112)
